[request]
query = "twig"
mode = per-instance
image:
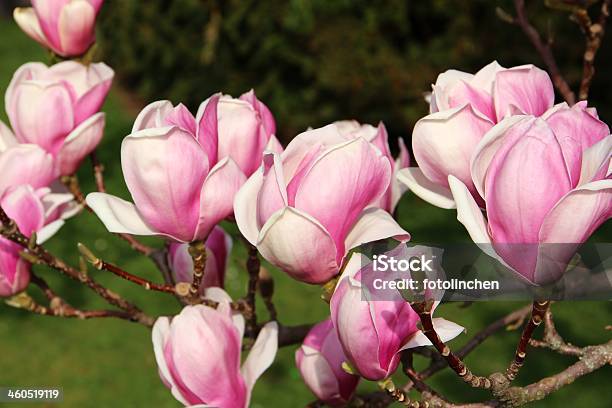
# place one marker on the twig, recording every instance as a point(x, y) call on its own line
point(593, 36)
point(545, 52)
point(423, 309)
point(553, 340)
point(11, 231)
point(594, 357)
point(197, 250)
point(537, 316)
point(266, 290)
point(253, 266)
point(100, 264)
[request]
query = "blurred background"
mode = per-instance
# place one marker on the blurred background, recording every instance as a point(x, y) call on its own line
point(311, 62)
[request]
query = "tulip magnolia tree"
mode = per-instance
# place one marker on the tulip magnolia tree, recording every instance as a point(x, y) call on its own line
point(517, 168)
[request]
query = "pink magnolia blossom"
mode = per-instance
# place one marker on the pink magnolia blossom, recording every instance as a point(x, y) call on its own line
point(181, 187)
point(463, 108)
point(218, 247)
point(57, 108)
point(198, 355)
point(546, 184)
point(246, 129)
point(373, 332)
point(306, 208)
point(67, 27)
point(23, 163)
point(378, 137)
point(319, 360)
point(33, 211)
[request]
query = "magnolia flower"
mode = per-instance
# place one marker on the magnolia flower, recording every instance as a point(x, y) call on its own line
point(306, 208)
point(23, 163)
point(198, 355)
point(374, 332)
point(319, 360)
point(546, 185)
point(57, 108)
point(246, 129)
point(463, 108)
point(378, 137)
point(34, 211)
point(218, 247)
point(181, 187)
point(67, 27)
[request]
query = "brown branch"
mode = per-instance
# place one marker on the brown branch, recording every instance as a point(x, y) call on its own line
point(37, 253)
point(594, 33)
point(197, 250)
point(510, 319)
point(266, 290)
point(594, 357)
point(545, 51)
point(553, 340)
point(539, 309)
point(100, 264)
point(253, 265)
point(423, 309)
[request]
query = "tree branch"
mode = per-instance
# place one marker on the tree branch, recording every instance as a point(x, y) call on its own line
point(537, 316)
point(545, 52)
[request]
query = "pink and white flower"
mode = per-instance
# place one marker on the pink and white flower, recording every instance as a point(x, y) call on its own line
point(463, 107)
point(373, 332)
point(180, 185)
point(198, 355)
point(57, 108)
point(67, 27)
point(306, 208)
point(546, 185)
point(34, 211)
point(319, 360)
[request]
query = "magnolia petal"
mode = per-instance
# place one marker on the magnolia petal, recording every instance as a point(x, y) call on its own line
point(26, 19)
point(372, 225)
point(433, 193)
point(595, 161)
point(161, 330)
point(445, 329)
point(48, 231)
point(76, 27)
point(526, 87)
point(281, 242)
point(261, 356)
point(80, 142)
point(26, 164)
point(151, 116)
point(217, 195)
point(245, 207)
point(118, 215)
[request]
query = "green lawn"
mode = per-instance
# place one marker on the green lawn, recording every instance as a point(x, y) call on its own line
point(110, 363)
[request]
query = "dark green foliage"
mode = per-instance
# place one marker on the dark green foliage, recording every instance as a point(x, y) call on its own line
point(317, 61)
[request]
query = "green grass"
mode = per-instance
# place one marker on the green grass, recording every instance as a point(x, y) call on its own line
point(109, 363)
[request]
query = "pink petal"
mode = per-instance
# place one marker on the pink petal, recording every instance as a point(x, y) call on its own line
point(26, 19)
point(464, 93)
point(118, 215)
point(24, 207)
point(26, 164)
point(443, 144)
point(41, 113)
point(435, 194)
point(182, 118)
point(76, 27)
point(217, 196)
point(261, 356)
point(7, 138)
point(281, 242)
point(207, 133)
point(340, 184)
point(246, 206)
point(80, 142)
point(596, 161)
point(527, 88)
point(48, 12)
point(273, 194)
point(372, 225)
point(152, 115)
point(576, 130)
point(165, 170)
point(265, 114)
